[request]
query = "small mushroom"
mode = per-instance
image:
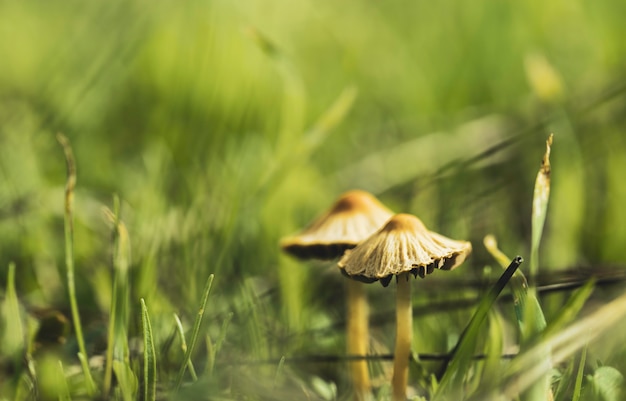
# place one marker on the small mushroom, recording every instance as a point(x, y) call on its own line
point(403, 246)
point(354, 217)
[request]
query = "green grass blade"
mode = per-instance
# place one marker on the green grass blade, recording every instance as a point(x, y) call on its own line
point(84, 363)
point(70, 185)
point(64, 390)
point(210, 347)
point(565, 316)
point(495, 345)
point(117, 346)
point(183, 346)
point(524, 371)
point(13, 333)
point(527, 308)
point(149, 356)
point(564, 382)
point(279, 370)
point(529, 314)
point(222, 335)
point(540, 207)
point(213, 349)
point(108, 364)
point(570, 310)
point(196, 331)
point(329, 120)
point(462, 354)
point(534, 321)
point(578, 385)
point(126, 380)
point(12, 340)
point(49, 382)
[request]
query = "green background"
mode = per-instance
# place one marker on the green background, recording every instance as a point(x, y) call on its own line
point(226, 125)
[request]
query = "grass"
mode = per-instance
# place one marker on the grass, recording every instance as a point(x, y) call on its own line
point(69, 260)
point(222, 127)
point(149, 357)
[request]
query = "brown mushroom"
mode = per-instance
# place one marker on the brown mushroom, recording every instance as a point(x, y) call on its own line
point(403, 246)
point(354, 217)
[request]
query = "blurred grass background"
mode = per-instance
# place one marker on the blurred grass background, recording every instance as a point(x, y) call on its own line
point(224, 125)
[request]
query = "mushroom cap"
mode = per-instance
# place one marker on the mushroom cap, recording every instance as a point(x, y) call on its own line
point(353, 217)
point(402, 245)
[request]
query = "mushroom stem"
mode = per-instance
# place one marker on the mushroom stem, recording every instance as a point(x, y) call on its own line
point(358, 338)
point(404, 334)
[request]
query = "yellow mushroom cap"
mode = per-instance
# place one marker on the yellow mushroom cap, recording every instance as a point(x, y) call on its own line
point(402, 245)
point(353, 217)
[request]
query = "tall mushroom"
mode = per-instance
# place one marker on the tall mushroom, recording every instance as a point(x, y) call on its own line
point(354, 217)
point(403, 246)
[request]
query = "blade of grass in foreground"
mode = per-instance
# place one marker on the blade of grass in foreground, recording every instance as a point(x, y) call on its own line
point(570, 310)
point(540, 207)
point(279, 370)
point(13, 333)
point(126, 380)
point(524, 371)
point(64, 390)
point(452, 380)
point(519, 288)
point(534, 321)
point(183, 345)
point(117, 345)
point(213, 349)
point(579, 376)
point(565, 315)
point(195, 332)
point(69, 258)
point(149, 356)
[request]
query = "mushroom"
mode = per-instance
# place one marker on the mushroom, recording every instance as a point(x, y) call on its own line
point(354, 217)
point(403, 246)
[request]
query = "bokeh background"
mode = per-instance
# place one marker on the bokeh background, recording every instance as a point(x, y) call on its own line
point(225, 125)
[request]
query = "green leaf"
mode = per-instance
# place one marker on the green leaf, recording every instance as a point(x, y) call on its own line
point(183, 346)
point(64, 391)
point(126, 380)
point(328, 121)
point(579, 376)
point(70, 186)
point(540, 207)
point(534, 321)
point(195, 331)
point(459, 364)
point(494, 346)
point(529, 315)
point(222, 335)
point(117, 346)
point(279, 370)
point(524, 371)
point(149, 356)
point(607, 383)
point(570, 310)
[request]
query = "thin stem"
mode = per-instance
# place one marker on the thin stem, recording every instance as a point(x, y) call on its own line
point(69, 256)
point(404, 334)
point(358, 338)
point(195, 331)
